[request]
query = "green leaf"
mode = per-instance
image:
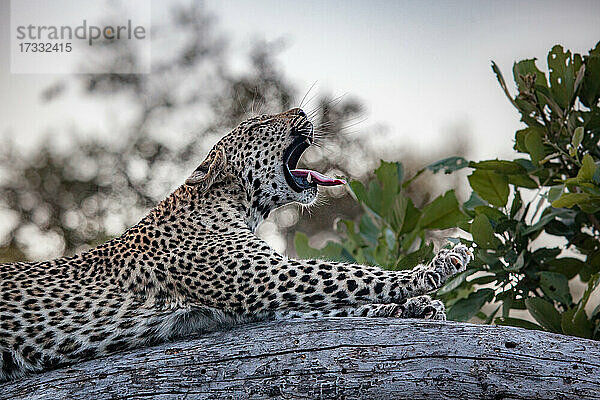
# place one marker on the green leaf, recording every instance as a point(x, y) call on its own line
point(509, 302)
point(493, 214)
point(534, 145)
point(465, 309)
point(554, 193)
point(579, 76)
point(407, 241)
point(556, 287)
point(577, 137)
point(596, 177)
point(575, 322)
point(398, 212)
point(520, 323)
point(562, 75)
point(490, 318)
point(474, 201)
point(545, 96)
point(592, 285)
point(331, 251)
point(491, 186)
point(421, 256)
point(548, 216)
point(481, 315)
point(374, 196)
point(368, 230)
point(400, 172)
point(336, 252)
point(592, 265)
point(587, 170)
point(518, 264)
point(527, 164)
point(526, 67)
point(545, 254)
point(500, 166)
point(522, 181)
point(483, 233)
point(520, 140)
point(592, 206)
point(303, 249)
point(516, 205)
point(544, 312)
point(590, 87)
point(566, 266)
point(359, 191)
point(514, 261)
point(595, 312)
point(448, 165)
point(369, 256)
point(486, 256)
point(390, 238)
point(568, 200)
point(346, 257)
point(387, 174)
point(350, 232)
point(442, 213)
point(484, 280)
point(455, 282)
point(411, 217)
point(382, 251)
point(502, 83)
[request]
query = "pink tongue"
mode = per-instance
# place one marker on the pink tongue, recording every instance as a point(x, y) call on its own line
point(317, 177)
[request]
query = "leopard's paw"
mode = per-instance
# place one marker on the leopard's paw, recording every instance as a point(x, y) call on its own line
point(422, 307)
point(448, 263)
point(436, 311)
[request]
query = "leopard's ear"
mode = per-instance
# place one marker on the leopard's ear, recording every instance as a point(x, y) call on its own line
point(209, 171)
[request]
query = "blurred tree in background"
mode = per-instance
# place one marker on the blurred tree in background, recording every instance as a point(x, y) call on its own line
point(67, 200)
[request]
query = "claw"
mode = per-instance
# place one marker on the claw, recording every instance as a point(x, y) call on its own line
point(466, 249)
point(429, 312)
point(455, 260)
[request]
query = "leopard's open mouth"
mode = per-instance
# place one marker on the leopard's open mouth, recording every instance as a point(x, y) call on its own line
point(302, 179)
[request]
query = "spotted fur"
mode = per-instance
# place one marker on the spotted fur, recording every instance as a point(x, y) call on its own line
point(194, 264)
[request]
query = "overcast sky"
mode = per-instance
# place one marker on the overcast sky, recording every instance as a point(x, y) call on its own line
point(421, 68)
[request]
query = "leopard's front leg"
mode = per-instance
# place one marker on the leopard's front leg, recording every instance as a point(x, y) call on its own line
point(321, 285)
point(243, 286)
point(423, 307)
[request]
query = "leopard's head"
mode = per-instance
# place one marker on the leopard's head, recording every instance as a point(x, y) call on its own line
point(261, 155)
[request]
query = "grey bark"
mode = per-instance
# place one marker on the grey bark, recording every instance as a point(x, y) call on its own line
point(346, 358)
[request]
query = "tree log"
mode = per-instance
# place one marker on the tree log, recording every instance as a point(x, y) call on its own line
point(345, 358)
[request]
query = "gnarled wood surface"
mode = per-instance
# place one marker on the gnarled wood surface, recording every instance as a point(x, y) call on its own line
point(346, 358)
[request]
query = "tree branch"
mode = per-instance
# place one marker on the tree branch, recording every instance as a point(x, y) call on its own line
point(349, 358)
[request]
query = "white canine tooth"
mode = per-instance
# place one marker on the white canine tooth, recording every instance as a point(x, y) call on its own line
point(309, 178)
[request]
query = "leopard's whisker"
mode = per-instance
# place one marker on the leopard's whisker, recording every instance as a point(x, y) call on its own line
point(306, 94)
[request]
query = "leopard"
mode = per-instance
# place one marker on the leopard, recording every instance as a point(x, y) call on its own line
point(194, 264)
